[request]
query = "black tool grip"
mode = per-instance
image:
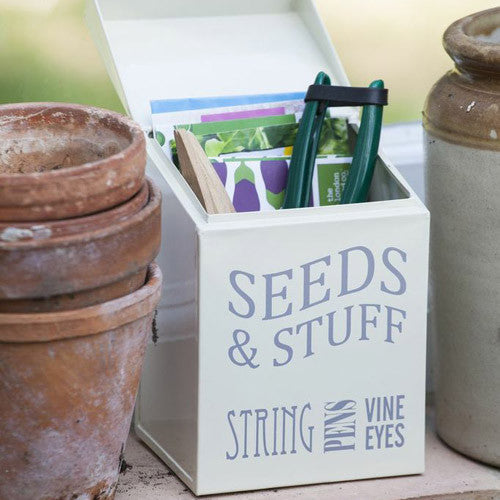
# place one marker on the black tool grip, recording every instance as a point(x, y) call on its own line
point(337, 96)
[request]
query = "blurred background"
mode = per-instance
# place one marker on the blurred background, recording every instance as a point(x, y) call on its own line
point(47, 53)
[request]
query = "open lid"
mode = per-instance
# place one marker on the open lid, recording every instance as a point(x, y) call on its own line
point(166, 49)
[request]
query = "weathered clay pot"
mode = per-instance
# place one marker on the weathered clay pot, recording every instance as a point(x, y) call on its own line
point(68, 385)
point(462, 123)
point(76, 300)
point(105, 250)
point(64, 160)
point(25, 231)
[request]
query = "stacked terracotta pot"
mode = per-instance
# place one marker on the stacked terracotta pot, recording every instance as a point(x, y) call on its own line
point(79, 229)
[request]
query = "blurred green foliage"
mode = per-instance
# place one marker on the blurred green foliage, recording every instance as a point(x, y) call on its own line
point(46, 53)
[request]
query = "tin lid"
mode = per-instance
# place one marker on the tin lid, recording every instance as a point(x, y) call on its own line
point(165, 49)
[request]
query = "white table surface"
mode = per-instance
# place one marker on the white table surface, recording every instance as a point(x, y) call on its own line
point(448, 476)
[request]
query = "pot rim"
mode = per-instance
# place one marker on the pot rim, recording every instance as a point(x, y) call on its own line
point(135, 146)
point(151, 205)
point(53, 326)
point(141, 198)
point(466, 50)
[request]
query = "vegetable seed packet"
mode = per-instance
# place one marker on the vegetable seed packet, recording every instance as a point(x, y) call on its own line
point(249, 140)
point(236, 115)
point(333, 139)
point(166, 114)
point(204, 103)
point(258, 184)
point(213, 127)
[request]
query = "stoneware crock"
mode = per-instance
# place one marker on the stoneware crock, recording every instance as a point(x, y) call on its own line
point(462, 124)
point(68, 382)
point(62, 160)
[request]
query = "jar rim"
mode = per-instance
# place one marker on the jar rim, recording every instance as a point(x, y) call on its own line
point(469, 52)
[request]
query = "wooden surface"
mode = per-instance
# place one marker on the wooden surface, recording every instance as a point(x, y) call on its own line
point(448, 476)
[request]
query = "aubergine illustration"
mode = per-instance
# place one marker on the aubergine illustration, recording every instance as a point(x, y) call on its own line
point(245, 197)
point(274, 173)
point(221, 169)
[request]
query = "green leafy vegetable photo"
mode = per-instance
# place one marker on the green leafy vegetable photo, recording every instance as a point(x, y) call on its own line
point(333, 139)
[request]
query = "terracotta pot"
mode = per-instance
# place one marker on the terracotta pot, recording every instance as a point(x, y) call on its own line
point(64, 160)
point(25, 231)
point(462, 122)
point(104, 251)
point(68, 385)
point(76, 300)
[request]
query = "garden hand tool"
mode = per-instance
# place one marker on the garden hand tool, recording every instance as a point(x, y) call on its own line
point(320, 96)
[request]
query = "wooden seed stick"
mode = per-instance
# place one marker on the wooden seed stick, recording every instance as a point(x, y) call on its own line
point(201, 175)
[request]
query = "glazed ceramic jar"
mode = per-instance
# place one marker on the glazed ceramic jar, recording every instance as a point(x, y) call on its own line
point(462, 125)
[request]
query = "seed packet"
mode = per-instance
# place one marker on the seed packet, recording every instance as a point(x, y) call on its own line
point(166, 114)
point(250, 140)
point(258, 184)
point(238, 115)
point(206, 128)
point(159, 106)
point(333, 139)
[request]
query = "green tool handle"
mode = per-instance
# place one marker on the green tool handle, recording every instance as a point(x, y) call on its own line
point(365, 153)
point(298, 189)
